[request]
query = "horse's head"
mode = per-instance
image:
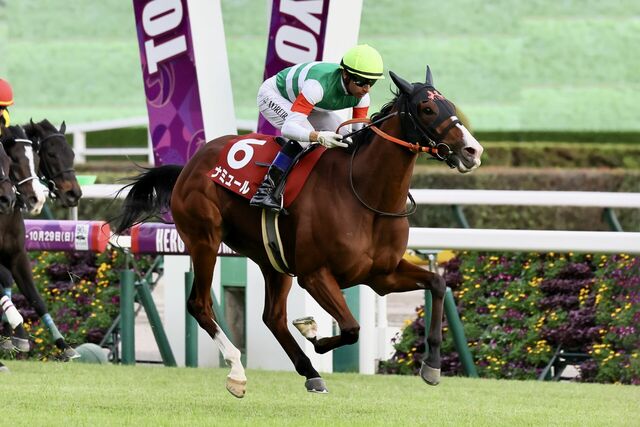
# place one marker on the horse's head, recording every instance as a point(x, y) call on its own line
point(7, 190)
point(20, 150)
point(55, 161)
point(429, 119)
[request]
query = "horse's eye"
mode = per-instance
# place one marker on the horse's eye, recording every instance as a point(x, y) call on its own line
point(427, 110)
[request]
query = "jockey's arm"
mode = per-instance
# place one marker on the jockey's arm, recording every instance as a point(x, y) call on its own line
point(360, 111)
point(296, 125)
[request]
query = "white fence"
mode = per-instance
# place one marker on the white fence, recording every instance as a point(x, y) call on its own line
point(375, 332)
point(80, 130)
point(492, 239)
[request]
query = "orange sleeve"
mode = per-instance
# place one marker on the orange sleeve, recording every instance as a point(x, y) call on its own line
point(360, 113)
point(301, 105)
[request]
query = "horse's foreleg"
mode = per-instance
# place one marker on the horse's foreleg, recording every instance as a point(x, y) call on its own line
point(21, 270)
point(410, 277)
point(199, 305)
point(277, 286)
point(322, 286)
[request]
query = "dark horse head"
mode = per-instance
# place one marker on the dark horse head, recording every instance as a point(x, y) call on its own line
point(30, 192)
point(7, 190)
point(55, 161)
point(429, 120)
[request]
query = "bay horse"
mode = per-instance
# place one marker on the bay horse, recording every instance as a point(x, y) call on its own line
point(54, 165)
point(335, 235)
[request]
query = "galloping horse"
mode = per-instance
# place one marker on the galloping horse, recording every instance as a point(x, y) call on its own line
point(30, 197)
point(54, 158)
point(7, 198)
point(335, 235)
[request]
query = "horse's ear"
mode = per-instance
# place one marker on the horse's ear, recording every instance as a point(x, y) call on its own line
point(63, 127)
point(429, 79)
point(402, 84)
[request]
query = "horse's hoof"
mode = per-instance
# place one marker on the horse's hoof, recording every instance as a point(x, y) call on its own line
point(237, 387)
point(307, 327)
point(430, 375)
point(69, 354)
point(316, 385)
point(4, 370)
point(20, 344)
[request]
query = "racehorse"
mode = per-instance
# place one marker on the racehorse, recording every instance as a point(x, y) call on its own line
point(7, 198)
point(335, 235)
point(30, 197)
point(54, 158)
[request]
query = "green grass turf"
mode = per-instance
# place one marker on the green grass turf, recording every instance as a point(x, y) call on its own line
point(39, 393)
point(540, 65)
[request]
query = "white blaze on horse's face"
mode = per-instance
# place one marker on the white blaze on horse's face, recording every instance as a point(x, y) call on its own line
point(37, 187)
point(471, 151)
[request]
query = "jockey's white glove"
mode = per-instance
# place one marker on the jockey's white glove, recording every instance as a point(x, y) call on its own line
point(331, 139)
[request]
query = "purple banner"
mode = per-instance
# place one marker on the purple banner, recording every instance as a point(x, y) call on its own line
point(170, 81)
point(159, 238)
point(53, 235)
point(296, 35)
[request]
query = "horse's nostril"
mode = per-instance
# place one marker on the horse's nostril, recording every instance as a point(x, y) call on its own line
point(5, 201)
point(33, 200)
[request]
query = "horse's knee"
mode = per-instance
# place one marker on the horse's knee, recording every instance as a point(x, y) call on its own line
point(350, 335)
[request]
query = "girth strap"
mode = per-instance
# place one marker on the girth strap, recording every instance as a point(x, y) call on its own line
point(272, 242)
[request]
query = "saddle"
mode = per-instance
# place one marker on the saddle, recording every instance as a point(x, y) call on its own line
point(242, 165)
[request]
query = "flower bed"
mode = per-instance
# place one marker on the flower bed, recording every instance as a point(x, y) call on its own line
point(518, 308)
point(81, 291)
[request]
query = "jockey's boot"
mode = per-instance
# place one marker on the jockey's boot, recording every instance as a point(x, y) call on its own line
point(269, 194)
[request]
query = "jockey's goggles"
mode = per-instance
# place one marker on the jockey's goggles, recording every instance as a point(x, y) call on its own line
point(361, 81)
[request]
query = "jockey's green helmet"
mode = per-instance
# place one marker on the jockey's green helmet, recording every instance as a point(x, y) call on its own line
point(363, 61)
point(6, 94)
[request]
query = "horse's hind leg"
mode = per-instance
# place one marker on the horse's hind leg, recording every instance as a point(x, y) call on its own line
point(203, 246)
point(21, 269)
point(277, 286)
point(322, 286)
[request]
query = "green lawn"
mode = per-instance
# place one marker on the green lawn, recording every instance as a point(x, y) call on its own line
point(510, 66)
point(39, 393)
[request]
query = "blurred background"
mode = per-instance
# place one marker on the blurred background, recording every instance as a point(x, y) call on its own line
point(541, 65)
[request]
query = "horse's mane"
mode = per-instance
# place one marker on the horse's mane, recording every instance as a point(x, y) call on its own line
point(366, 135)
point(45, 124)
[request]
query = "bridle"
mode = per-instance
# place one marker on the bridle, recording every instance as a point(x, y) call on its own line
point(48, 175)
point(29, 178)
point(430, 137)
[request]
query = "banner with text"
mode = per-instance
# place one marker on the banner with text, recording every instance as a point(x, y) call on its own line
point(180, 43)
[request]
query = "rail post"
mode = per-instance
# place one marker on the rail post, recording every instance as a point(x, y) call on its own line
point(127, 315)
point(145, 298)
point(457, 332)
point(191, 327)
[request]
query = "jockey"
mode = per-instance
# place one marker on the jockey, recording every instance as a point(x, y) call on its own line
point(302, 98)
point(6, 99)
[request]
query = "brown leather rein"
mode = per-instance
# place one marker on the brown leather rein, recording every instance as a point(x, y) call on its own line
point(416, 148)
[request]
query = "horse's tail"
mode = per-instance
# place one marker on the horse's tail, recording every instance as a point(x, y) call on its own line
point(149, 196)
